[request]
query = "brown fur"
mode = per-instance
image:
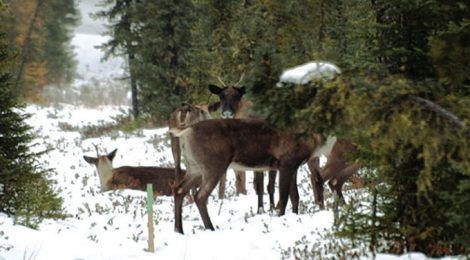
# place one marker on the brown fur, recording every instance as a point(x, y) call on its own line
point(211, 146)
point(233, 106)
point(336, 172)
point(137, 178)
point(128, 177)
point(182, 117)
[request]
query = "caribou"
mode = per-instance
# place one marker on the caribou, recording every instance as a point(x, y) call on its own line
point(337, 170)
point(182, 117)
point(129, 177)
point(212, 146)
point(233, 105)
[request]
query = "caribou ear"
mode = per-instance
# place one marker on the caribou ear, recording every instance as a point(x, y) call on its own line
point(242, 90)
point(112, 154)
point(90, 160)
point(214, 89)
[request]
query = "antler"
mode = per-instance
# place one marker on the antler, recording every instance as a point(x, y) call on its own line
point(96, 148)
point(223, 83)
point(241, 78)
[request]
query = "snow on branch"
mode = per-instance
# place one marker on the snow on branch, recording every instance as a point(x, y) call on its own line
point(307, 72)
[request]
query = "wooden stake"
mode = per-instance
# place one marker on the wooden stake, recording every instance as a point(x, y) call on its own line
point(150, 217)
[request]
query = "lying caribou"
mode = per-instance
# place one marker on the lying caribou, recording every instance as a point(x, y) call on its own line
point(128, 177)
point(212, 146)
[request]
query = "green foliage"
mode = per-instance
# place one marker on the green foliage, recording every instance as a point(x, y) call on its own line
point(155, 37)
point(390, 102)
point(26, 192)
point(41, 30)
point(58, 54)
point(403, 97)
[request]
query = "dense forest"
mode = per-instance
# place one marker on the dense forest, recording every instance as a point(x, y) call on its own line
point(34, 52)
point(403, 97)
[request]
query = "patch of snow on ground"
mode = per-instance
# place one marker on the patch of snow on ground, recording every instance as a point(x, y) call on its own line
point(113, 225)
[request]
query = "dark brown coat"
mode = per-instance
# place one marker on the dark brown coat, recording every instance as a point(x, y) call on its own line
point(211, 146)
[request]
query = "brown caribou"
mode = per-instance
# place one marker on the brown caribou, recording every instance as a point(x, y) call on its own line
point(128, 177)
point(182, 117)
point(233, 105)
point(212, 146)
point(337, 170)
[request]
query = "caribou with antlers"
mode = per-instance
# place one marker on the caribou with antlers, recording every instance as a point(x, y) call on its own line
point(234, 106)
point(128, 177)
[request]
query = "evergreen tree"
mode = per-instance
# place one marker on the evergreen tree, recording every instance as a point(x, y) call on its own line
point(62, 15)
point(164, 55)
point(122, 16)
point(399, 102)
point(155, 36)
point(25, 191)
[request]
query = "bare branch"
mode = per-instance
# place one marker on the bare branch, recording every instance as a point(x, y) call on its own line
point(443, 112)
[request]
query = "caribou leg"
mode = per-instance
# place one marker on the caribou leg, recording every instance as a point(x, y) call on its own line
point(179, 212)
point(259, 183)
point(317, 181)
point(201, 199)
point(240, 182)
point(222, 182)
point(179, 191)
point(294, 194)
point(285, 179)
point(270, 188)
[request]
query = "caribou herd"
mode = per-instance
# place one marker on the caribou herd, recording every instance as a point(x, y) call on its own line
point(239, 141)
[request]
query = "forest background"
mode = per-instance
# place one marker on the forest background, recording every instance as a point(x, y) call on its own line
point(403, 97)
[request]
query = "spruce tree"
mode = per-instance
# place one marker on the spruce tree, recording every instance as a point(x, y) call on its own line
point(25, 191)
point(400, 102)
point(62, 16)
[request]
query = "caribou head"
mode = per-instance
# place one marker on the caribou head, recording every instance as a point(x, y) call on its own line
point(230, 97)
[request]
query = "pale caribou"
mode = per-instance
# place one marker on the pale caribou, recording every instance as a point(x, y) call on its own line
point(129, 177)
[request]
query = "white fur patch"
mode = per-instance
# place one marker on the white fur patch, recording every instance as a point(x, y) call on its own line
point(326, 148)
point(105, 171)
point(241, 167)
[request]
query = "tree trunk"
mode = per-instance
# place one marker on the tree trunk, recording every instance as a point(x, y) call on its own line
point(134, 91)
point(26, 45)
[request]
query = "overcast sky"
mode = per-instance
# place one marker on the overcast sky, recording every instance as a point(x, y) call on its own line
point(88, 25)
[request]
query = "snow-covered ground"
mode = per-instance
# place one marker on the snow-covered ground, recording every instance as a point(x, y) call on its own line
point(113, 225)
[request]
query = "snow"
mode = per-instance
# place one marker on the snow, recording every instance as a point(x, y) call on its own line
point(307, 72)
point(88, 36)
point(113, 225)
